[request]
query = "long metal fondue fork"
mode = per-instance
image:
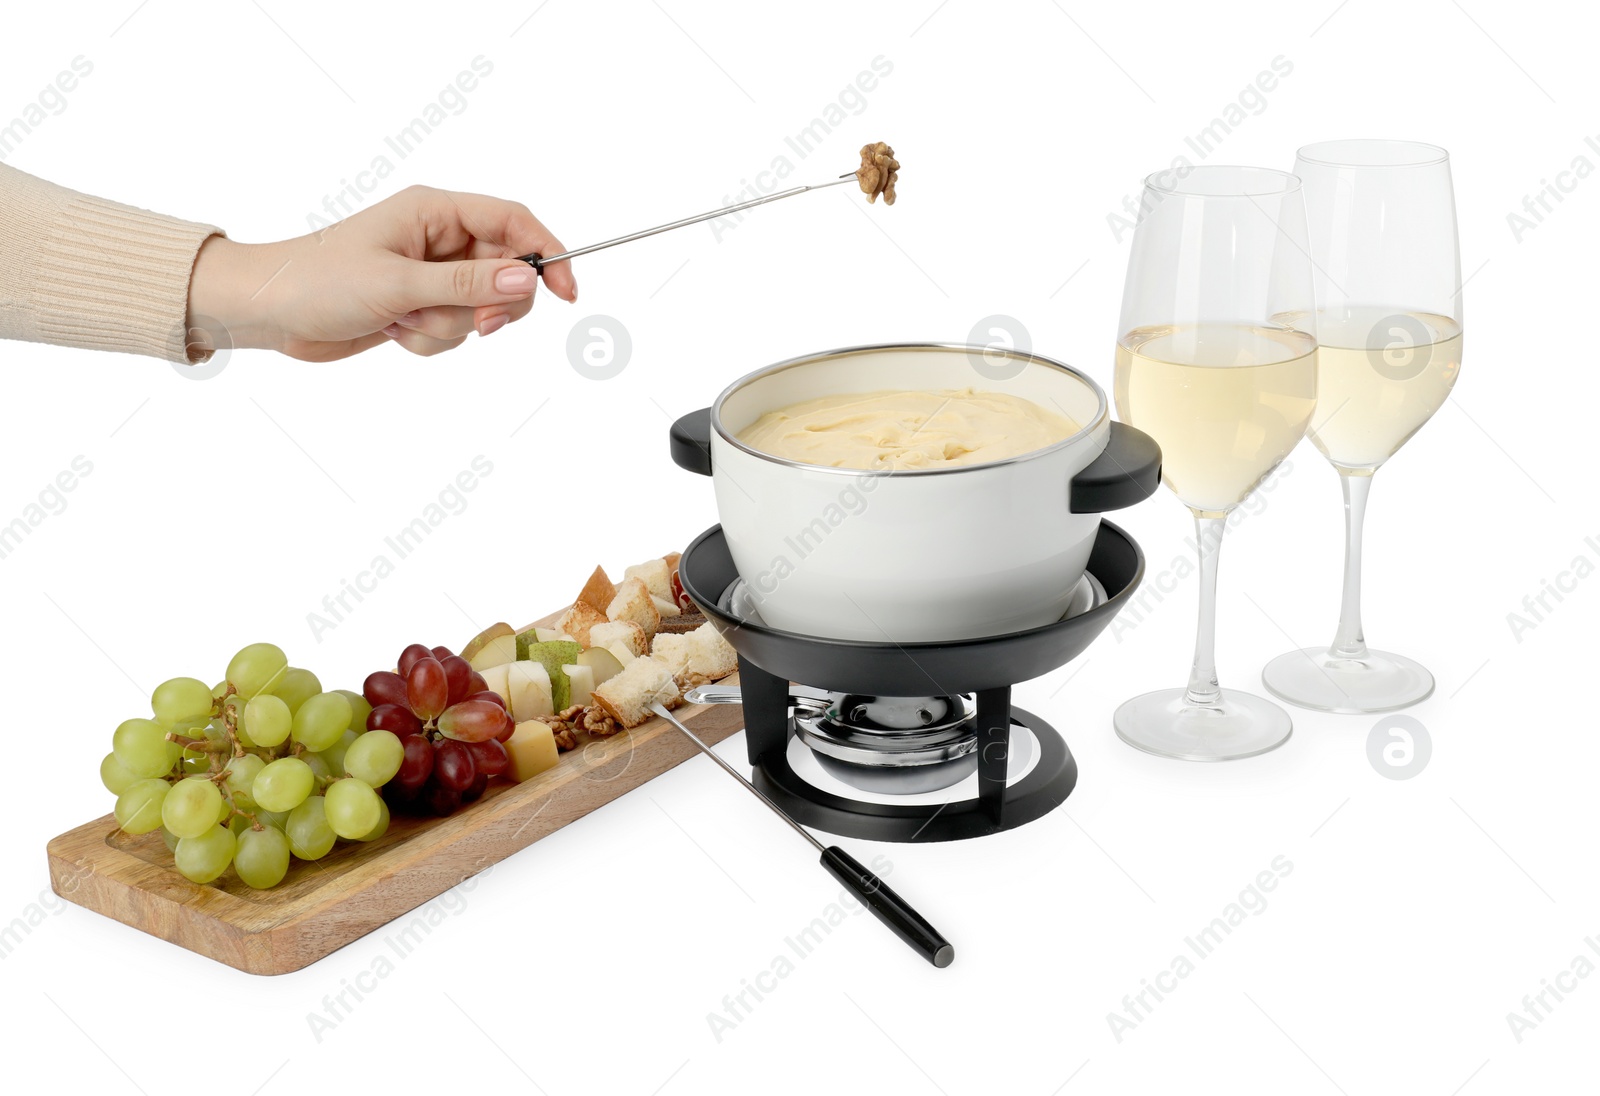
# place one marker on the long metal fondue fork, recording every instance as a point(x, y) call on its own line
point(539, 262)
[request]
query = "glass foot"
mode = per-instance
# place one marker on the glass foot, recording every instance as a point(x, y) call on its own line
point(1315, 678)
point(1241, 725)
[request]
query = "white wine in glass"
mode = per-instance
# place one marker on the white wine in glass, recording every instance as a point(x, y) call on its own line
point(1227, 402)
point(1371, 399)
point(1382, 225)
point(1214, 361)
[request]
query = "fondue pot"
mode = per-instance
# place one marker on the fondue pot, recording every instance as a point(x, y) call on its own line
point(916, 555)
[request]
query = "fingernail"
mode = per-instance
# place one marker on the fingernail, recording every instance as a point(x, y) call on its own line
point(393, 331)
point(410, 319)
point(491, 325)
point(515, 279)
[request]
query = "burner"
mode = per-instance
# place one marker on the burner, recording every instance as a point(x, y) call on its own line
point(870, 784)
point(892, 743)
point(894, 720)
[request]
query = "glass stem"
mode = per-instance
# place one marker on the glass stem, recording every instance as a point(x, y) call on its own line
point(1349, 642)
point(1204, 692)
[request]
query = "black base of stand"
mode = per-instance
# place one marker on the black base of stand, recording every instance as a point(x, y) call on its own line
point(1046, 786)
point(985, 667)
point(996, 807)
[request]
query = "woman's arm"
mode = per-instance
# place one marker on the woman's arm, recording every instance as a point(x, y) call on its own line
point(423, 268)
point(76, 270)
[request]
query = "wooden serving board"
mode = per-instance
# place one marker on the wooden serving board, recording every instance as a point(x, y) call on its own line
point(322, 905)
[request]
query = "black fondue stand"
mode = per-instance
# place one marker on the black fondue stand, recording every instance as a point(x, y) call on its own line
point(769, 659)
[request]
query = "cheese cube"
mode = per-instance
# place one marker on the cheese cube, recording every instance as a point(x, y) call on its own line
point(530, 694)
point(498, 679)
point(532, 747)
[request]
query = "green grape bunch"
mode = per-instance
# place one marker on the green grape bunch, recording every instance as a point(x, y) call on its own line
point(264, 768)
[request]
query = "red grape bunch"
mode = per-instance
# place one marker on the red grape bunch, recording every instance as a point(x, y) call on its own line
point(450, 723)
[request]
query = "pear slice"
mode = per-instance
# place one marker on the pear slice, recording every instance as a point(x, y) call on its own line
point(498, 651)
point(553, 654)
point(483, 639)
point(604, 664)
point(580, 682)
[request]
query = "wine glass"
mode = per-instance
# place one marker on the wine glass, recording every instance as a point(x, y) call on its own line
point(1382, 222)
point(1216, 362)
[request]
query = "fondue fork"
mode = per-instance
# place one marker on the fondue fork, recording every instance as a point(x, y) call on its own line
point(885, 904)
point(539, 262)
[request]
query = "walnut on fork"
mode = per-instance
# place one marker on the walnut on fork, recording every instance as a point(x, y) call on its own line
point(878, 172)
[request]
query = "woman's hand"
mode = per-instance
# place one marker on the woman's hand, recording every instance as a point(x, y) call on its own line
point(424, 268)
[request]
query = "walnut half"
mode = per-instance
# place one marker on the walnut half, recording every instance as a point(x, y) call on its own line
point(597, 722)
point(878, 172)
point(561, 728)
point(592, 720)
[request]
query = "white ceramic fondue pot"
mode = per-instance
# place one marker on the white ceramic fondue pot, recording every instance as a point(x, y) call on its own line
point(922, 554)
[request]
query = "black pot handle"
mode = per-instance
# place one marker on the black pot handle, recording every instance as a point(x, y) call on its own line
point(691, 441)
point(1126, 472)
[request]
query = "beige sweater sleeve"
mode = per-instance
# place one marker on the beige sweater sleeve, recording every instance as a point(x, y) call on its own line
point(76, 270)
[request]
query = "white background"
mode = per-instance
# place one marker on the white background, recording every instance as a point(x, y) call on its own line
point(1418, 913)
